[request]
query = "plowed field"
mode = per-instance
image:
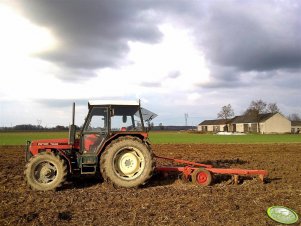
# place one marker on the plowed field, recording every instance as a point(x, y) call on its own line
point(163, 201)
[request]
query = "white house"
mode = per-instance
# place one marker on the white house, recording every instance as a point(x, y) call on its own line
point(268, 123)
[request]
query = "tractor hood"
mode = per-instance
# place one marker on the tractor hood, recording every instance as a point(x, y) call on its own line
point(50, 142)
point(36, 146)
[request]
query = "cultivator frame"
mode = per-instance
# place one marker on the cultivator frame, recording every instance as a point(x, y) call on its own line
point(201, 174)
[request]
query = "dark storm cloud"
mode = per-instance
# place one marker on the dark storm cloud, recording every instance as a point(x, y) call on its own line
point(246, 42)
point(235, 36)
point(93, 34)
point(252, 35)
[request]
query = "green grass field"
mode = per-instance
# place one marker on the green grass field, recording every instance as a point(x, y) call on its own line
point(19, 138)
point(185, 138)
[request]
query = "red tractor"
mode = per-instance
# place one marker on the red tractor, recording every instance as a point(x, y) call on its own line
point(113, 140)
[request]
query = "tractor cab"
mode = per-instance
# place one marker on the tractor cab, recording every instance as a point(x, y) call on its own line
point(105, 122)
point(108, 119)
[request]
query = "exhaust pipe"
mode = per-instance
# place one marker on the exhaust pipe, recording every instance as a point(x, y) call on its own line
point(72, 128)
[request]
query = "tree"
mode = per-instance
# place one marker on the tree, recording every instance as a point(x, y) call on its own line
point(272, 108)
point(161, 126)
point(226, 113)
point(294, 117)
point(256, 108)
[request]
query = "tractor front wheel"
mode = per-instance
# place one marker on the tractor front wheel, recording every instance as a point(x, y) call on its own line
point(127, 162)
point(45, 171)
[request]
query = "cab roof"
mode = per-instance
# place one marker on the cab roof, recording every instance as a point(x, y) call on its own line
point(147, 115)
point(113, 102)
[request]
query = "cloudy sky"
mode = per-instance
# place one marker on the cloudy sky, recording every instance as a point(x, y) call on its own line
point(177, 56)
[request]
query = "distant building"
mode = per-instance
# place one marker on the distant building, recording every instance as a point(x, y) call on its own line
point(296, 126)
point(268, 123)
point(213, 125)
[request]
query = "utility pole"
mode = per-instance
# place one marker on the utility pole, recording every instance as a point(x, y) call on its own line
point(39, 122)
point(186, 118)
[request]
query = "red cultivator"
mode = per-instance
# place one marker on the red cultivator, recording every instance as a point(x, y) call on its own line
point(201, 174)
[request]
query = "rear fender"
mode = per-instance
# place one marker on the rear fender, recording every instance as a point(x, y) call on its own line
point(117, 135)
point(64, 156)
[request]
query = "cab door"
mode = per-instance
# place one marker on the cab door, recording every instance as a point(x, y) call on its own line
point(95, 130)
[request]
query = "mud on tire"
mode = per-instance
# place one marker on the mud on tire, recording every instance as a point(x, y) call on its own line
point(45, 171)
point(127, 162)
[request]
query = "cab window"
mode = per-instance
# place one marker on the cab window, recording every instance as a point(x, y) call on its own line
point(97, 120)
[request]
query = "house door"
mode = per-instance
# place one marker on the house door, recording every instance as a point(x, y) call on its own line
point(254, 127)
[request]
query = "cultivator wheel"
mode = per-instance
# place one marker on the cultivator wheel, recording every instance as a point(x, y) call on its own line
point(45, 171)
point(201, 177)
point(127, 162)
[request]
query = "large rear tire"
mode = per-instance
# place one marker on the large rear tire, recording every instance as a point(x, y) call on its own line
point(45, 171)
point(127, 162)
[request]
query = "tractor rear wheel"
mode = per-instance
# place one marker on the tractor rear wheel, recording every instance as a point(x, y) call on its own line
point(45, 171)
point(127, 162)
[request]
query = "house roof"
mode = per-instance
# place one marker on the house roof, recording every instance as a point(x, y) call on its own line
point(296, 123)
point(239, 119)
point(214, 122)
point(251, 118)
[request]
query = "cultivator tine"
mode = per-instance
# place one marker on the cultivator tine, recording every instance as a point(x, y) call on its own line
point(261, 177)
point(235, 179)
point(184, 177)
